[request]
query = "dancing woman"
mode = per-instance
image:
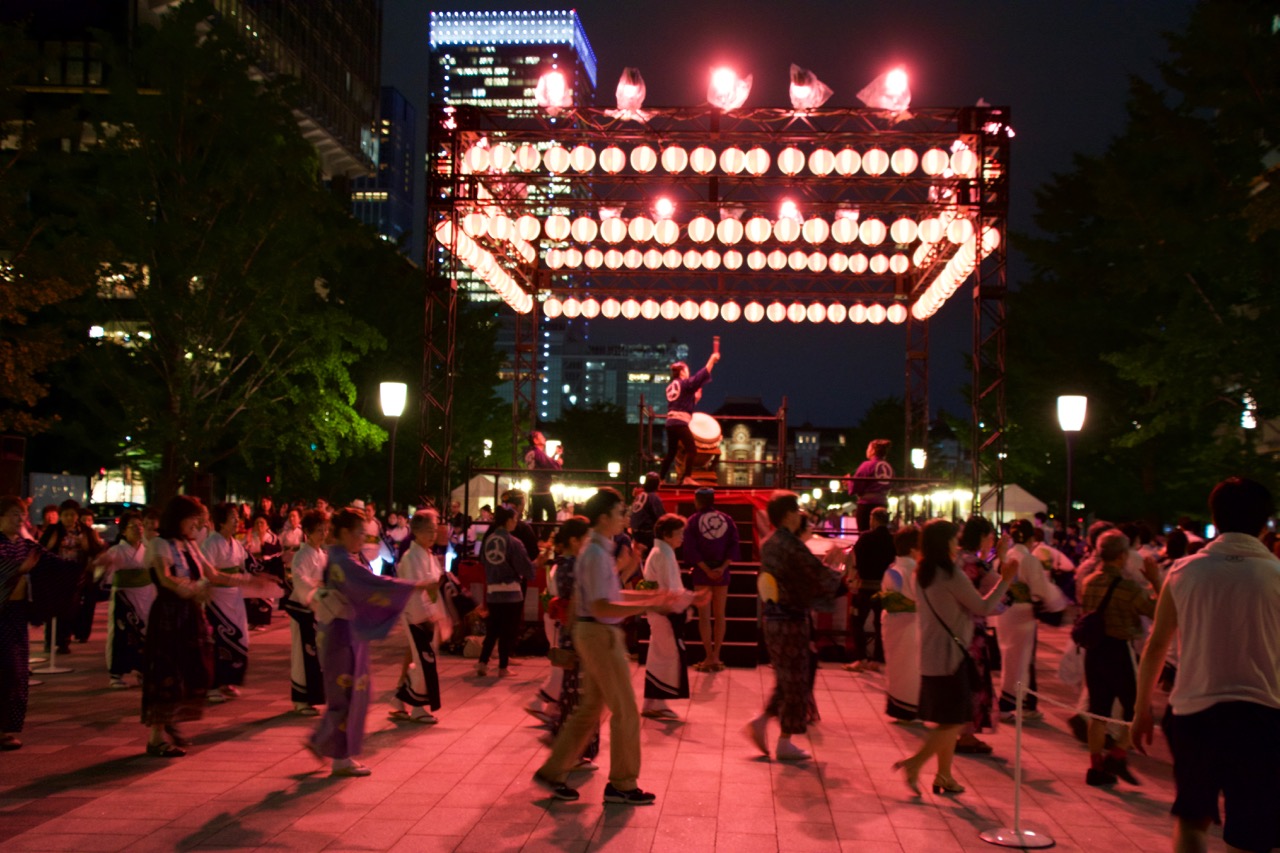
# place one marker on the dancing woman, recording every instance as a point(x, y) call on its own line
point(132, 595)
point(901, 638)
point(226, 607)
point(306, 572)
point(666, 671)
point(426, 623)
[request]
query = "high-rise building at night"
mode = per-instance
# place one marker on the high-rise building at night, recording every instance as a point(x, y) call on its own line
point(384, 200)
point(494, 60)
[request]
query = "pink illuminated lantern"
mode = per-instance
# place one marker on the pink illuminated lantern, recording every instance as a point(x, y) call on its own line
point(672, 259)
point(666, 232)
point(848, 162)
point(689, 310)
point(528, 158)
point(674, 159)
point(643, 159)
point(630, 309)
point(572, 307)
point(790, 161)
point(897, 313)
point(701, 229)
point(872, 232)
point(777, 259)
point(552, 307)
point(610, 308)
point(899, 264)
point(612, 160)
point(702, 160)
point(935, 161)
point(756, 260)
point(879, 264)
point(613, 259)
point(556, 159)
point(858, 313)
point(633, 259)
point(817, 262)
point(875, 314)
point(733, 259)
point(613, 230)
point(759, 229)
point(670, 309)
point(798, 261)
point(904, 161)
point(502, 157)
point(641, 229)
point(757, 161)
point(732, 161)
point(729, 231)
point(692, 259)
point(786, 229)
point(904, 230)
point(776, 312)
point(582, 159)
point(875, 162)
point(711, 259)
point(584, 229)
point(796, 312)
point(816, 312)
point(590, 309)
point(593, 258)
point(649, 309)
point(754, 312)
point(836, 312)
point(730, 312)
point(709, 310)
point(816, 230)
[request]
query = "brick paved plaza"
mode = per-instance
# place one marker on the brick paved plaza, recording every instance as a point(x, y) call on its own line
point(82, 782)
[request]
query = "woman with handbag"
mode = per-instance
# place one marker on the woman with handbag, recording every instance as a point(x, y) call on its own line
point(978, 549)
point(947, 671)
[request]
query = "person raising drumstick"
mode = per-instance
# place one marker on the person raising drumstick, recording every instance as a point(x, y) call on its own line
point(683, 394)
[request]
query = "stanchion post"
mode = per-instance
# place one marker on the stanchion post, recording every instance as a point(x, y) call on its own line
point(53, 668)
point(1016, 836)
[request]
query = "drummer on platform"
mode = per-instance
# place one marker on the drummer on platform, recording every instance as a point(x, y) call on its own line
point(682, 395)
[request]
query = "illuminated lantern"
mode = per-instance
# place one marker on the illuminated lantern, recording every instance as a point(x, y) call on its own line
point(641, 229)
point(593, 258)
point(729, 231)
point(904, 230)
point(552, 307)
point(838, 262)
point(858, 313)
point(709, 310)
point(477, 159)
point(528, 158)
point(964, 163)
point(689, 310)
point(879, 264)
point(572, 258)
point(960, 230)
point(920, 311)
point(786, 230)
point(875, 314)
point(612, 159)
point(816, 230)
point(848, 162)
point(692, 259)
point(757, 260)
point(701, 229)
point(674, 159)
point(672, 259)
point(590, 309)
point(757, 161)
point(630, 309)
point(702, 160)
point(666, 232)
point(904, 161)
point(759, 229)
point(555, 258)
point(817, 262)
point(649, 309)
point(897, 313)
point(584, 229)
point(777, 259)
point(711, 259)
point(790, 161)
point(935, 161)
point(582, 159)
point(610, 308)
point(572, 307)
point(776, 312)
point(844, 230)
point(501, 227)
point(556, 159)
point(754, 312)
point(899, 264)
point(837, 312)
point(858, 263)
point(502, 157)
point(670, 309)
point(732, 161)
point(613, 230)
point(816, 313)
point(557, 226)
point(643, 159)
point(798, 261)
point(990, 240)
point(875, 162)
point(733, 259)
point(730, 312)
point(613, 259)
point(528, 228)
point(653, 259)
point(475, 224)
point(633, 259)
point(795, 312)
point(931, 230)
point(821, 162)
point(872, 232)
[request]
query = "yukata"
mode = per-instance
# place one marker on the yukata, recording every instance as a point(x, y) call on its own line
point(901, 644)
point(353, 606)
point(666, 669)
point(306, 681)
point(226, 611)
point(420, 685)
point(132, 594)
point(178, 667)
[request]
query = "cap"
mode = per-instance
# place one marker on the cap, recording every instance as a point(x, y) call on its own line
point(357, 504)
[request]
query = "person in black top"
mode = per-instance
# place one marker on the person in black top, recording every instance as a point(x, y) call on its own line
point(542, 506)
point(646, 509)
point(874, 553)
point(683, 394)
point(514, 499)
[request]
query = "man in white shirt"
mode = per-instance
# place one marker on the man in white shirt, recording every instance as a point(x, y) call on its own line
point(1223, 726)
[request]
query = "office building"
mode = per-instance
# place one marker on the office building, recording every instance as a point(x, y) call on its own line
point(384, 200)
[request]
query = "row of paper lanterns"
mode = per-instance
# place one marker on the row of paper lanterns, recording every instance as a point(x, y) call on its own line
point(486, 266)
point(958, 268)
point(732, 260)
point(674, 159)
point(701, 229)
point(730, 312)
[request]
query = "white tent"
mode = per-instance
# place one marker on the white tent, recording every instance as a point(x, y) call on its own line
point(481, 492)
point(1018, 503)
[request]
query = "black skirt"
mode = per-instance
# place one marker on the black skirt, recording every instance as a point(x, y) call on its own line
point(948, 699)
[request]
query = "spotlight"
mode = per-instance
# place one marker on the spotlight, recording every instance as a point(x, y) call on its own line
point(789, 210)
point(664, 208)
point(728, 91)
point(807, 91)
point(890, 91)
point(630, 95)
point(553, 93)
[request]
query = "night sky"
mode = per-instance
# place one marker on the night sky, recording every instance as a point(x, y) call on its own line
point(1062, 67)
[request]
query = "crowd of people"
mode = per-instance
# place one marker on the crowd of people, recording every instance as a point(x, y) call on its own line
point(940, 609)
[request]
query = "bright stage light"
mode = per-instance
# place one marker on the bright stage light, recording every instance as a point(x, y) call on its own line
point(807, 91)
point(553, 93)
point(728, 91)
point(789, 210)
point(630, 93)
point(890, 91)
point(663, 208)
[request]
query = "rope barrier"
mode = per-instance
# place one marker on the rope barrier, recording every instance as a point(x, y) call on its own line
point(1017, 835)
point(1072, 708)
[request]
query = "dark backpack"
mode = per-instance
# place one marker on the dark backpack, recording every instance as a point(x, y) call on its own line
point(1090, 630)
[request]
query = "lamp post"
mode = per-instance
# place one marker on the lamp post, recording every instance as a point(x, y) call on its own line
point(1071, 409)
point(392, 396)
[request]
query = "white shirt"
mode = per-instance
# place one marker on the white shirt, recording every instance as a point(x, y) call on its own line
point(1227, 597)
point(226, 555)
point(308, 571)
point(662, 567)
point(596, 577)
point(419, 565)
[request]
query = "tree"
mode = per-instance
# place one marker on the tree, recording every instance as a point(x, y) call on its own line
point(1150, 292)
point(228, 259)
point(595, 435)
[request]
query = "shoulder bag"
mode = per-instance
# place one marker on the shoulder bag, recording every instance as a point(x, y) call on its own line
point(1090, 630)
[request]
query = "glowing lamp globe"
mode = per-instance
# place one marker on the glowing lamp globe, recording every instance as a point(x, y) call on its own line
point(612, 159)
point(897, 313)
point(672, 259)
point(582, 159)
point(836, 313)
point(776, 312)
point(732, 161)
point(816, 312)
point(556, 159)
point(711, 259)
point(733, 259)
point(876, 314)
point(1071, 412)
point(392, 396)
point(643, 159)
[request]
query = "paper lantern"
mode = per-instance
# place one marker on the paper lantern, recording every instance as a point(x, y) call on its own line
point(557, 227)
point(730, 312)
point(653, 259)
point(858, 263)
point(666, 232)
point(875, 313)
point(689, 310)
point(593, 258)
point(670, 309)
point(932, 229)
point(572, 307)
point(612, 159)
point(710, 259)
point(935, 161)
point(572, 258)
point(584, 229)
point(838, 262)
point(630, 309)
point(777, 259)
point(590, 309)
point(732, 161)
point(872, 232)
point(857, 313)
point(649, 309)
point(701, 229)
point(798, 261)
point(899, 264)
point(897, 313)
point(786, 230)
point(844, 230)
point(555, 258)
point(672, 259)
point(817, 262)
point(796, 312)
point(613, 230)
point(641, 229)
point(501, 227)
point(729, 231)
point(776, 312)
point(879, 264)
point(754, 312)
point(790, 161)
point(556, 159)
point(613, 259)
point(904, 230)
point(528, 158)
point(643, 159)
point(759, 229)
point(875, 162)
point(692, 259)
point(702, 160)
point(477, 159)
point(582, 159)
point(475, 224)
point(709, 310)
point(528, 228)
point(990, 240)
point(964, 163)
point(552, 307)
point(610, 308)
point(816, 313)
point(848, 162)
point(960, 230)
point(632, 259)
point(821, 162)
point(816, 230)
point(733, 259)
point(674, 159)
point(757, 161)
point(502, 157)
point(904, 161)
point(837, 312)
point(757, 260)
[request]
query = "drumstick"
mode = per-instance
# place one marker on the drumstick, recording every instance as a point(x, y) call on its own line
point(715, 344)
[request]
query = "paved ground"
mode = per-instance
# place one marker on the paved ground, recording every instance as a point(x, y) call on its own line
point(82, 782)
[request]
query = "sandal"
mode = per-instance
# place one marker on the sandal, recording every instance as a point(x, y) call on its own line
point(397, 715)
point(164, 749)
point(176, 736)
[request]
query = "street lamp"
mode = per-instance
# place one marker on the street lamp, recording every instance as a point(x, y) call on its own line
point(392, 395)
point(1071, 409)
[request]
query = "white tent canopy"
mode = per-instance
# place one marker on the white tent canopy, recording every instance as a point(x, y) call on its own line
point(1018, 503)
point(481, 492)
